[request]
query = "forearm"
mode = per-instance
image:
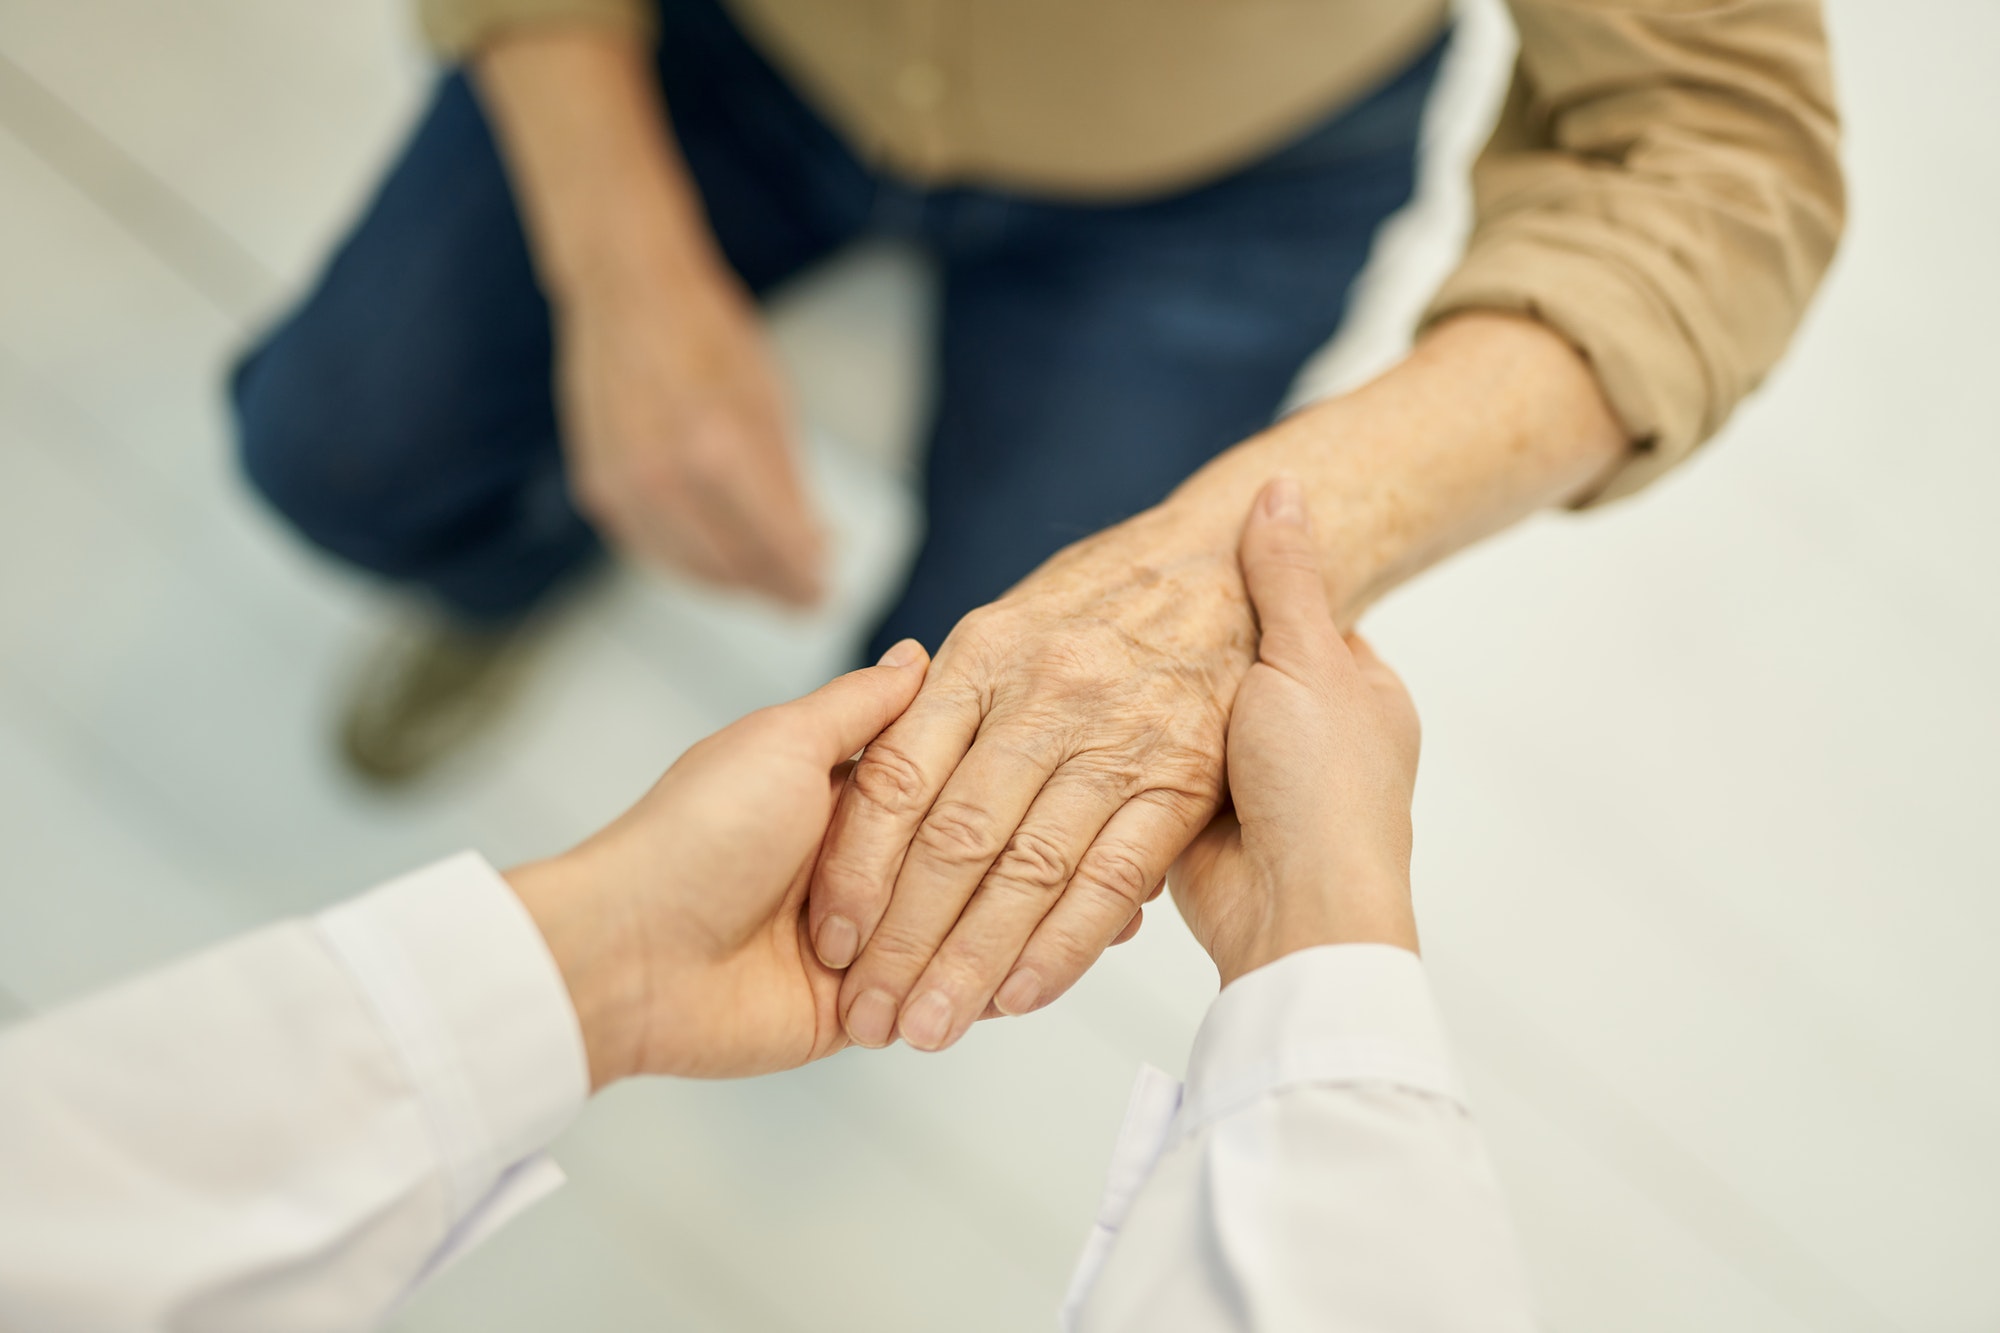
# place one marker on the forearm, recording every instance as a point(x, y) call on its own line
point(149, 1133)
point(600, 181)
point(1490, 418)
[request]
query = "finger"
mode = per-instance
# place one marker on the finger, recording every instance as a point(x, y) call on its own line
point(656, 522)
point(1025, 881)
point(705, 515)
point(1129, 857)
point(683, 537)
point(886, 798)
point(774, 533)
point(744, 468)
point(785, 520)
point(1281, 570)
point(979, 815)
point(1194, 864)
point(849, 711)
point(1131, 927)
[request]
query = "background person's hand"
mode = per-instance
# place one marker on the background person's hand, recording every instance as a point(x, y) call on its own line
point(1323, 746)
point(676, 430)
point(680, 928)
point(1066, 747)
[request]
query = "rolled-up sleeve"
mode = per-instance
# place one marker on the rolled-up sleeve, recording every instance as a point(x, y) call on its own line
point(1664, 190)
point(455, 28)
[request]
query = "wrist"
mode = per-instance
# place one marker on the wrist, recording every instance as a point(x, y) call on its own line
point(601, 187)
point(1489, 418)
point(1347, 906)
point(599, 965)
point(642, 251)
point(1318, 445)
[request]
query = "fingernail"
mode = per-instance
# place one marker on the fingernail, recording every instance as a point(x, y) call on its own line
point(1019, 993)
point(838, 942)
point(1285, 500)
point(902, 654)
point(872, 1018)
point(927, 1022)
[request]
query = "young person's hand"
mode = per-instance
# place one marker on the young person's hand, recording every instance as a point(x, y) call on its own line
point(680, 928)
point(1322, 759)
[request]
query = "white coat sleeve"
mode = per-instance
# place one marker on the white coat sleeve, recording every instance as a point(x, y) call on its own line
point(291, 1130)
point(1319, 1171)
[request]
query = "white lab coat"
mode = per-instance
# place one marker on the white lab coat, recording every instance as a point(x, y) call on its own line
point(296, 1129)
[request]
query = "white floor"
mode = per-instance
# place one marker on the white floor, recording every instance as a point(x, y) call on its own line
point(1707, 863)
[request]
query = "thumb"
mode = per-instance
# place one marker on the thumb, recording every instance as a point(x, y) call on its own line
point(1281, 570)
point(849, 711)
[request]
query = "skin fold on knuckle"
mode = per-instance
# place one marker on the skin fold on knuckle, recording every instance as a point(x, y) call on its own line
point(958, 834)
point(1032, 866)
point(1060, 956)
point(1112, 882)
point(892, 961)
point(889, 780)
point(959, 972)
point(850, 883)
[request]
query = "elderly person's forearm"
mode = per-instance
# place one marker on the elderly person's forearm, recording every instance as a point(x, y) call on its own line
point(1489, 419)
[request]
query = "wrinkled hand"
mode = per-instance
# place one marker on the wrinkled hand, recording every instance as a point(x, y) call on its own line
point(1006, 829)
point(680, 928)
point(1323, 746)
point(677, 435)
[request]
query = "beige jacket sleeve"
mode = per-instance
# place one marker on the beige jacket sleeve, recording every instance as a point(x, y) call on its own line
point(455, 27)
point(1664, 190)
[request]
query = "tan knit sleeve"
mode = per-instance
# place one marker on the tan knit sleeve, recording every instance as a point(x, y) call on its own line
point(455, 27)
point(1664, 190)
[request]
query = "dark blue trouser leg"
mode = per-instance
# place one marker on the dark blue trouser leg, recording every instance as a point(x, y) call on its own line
point(402, 416)
point(1093, 358)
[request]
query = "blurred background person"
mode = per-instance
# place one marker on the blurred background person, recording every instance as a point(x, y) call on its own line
point(540, 334)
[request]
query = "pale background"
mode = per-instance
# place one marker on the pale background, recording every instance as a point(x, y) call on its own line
point(1706, 860)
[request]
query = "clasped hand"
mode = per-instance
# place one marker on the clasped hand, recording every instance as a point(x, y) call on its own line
point(682, 930)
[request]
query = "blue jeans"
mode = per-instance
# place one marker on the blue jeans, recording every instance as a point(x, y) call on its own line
point(1090, 358)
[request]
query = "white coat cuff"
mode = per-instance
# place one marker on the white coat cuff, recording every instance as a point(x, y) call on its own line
point(461, 979)
point(1339, 1013)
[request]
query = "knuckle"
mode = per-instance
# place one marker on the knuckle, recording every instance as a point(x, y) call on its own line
point(845, 882)
point(1069, 668)
point(981, 622)
point(958, 833)
point(1115, 879)
point(1061, 955)
point(1115, 770)
point(1030, 863)
point(894, 954)
point(957, 969)
point(889, 779)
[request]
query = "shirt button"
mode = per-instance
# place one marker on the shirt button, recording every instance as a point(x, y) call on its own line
point(920, 85)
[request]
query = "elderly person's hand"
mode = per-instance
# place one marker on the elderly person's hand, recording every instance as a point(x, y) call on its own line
point(1322, 765)
point(1068, 746)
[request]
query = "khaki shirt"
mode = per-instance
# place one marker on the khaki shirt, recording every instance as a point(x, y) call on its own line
point(1663, 187)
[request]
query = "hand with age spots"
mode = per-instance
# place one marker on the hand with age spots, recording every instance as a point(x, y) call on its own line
point(995, 839)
